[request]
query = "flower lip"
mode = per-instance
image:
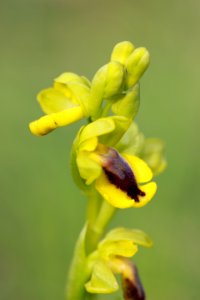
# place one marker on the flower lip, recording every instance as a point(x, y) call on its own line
point(120, 174)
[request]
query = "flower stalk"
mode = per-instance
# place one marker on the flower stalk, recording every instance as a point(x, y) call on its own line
point(96, 230)
point(112, 163)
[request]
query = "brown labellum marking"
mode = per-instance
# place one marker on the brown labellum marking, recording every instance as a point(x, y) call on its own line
point(120, 174)
point(132, 287)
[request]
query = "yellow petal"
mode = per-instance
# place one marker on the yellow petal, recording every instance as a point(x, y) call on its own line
point(97, 128)
point(119, 198)
point(67, 77)
point(64, 89)
point(89, 145)
point(48, 123)
point(53, 100)
point(140, 169)
point(88, 169)
point(118, 248)
point(124, 234)
point(102, 280)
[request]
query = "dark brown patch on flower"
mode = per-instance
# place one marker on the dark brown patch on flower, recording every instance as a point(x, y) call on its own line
point(120, 174)
point(132, 287)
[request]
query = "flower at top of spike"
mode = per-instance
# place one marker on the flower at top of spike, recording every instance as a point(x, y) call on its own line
point(135, 61)
point(114, 90)
point(123, 180)
point(63, 104)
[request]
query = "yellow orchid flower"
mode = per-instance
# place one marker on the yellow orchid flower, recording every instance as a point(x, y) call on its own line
point(112, 257)
point(63, 104)
point(123, 180)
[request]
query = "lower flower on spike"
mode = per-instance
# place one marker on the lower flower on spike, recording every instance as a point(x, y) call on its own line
point(113, 257)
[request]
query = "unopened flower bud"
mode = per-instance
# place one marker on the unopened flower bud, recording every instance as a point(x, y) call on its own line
point(136, 65)
point(132, 141)
point(128, 103)
point(107, 82)
point(153, 153)
point(122, 51)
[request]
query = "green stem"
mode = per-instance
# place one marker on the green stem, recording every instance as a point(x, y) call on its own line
point(87, 243)
point(96, 230)
point(94, 203)
point(77, 276)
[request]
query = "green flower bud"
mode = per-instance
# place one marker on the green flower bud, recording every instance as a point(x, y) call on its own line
point(107, 82)
point(128, 103)
point(136, 64)
point(153, 153)
point(132, 141)
point(122, 51)
point(114, 79)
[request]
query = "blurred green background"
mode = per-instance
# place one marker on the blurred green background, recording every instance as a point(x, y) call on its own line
point(41, 211)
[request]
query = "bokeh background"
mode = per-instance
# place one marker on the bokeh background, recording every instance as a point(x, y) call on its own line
point(41, 211)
